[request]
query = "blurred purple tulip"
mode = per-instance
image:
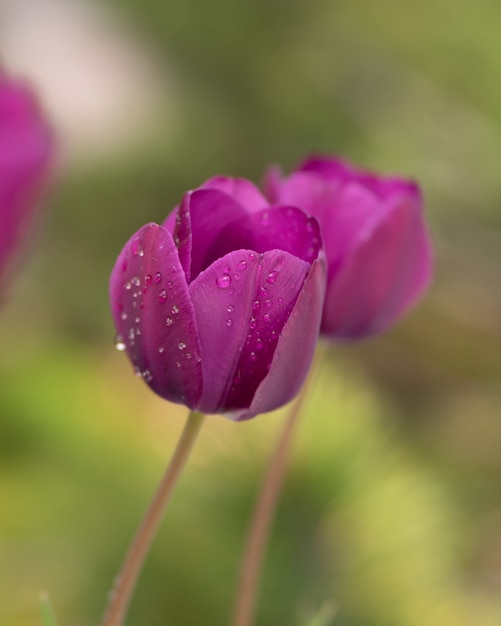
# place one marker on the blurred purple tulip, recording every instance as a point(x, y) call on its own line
point(25, 147)
point(378, 249)
point(219, 309)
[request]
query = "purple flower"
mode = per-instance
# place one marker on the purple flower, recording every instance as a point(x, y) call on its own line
point(219, 309)
point(25, 147)
point(375, 238)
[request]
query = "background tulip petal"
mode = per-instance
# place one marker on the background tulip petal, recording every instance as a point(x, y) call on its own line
point(339, 171)
point(295, 349)
point(381, 277)
point(25, 149)
point(242, 302)
point(154, 315)
point(241, 190)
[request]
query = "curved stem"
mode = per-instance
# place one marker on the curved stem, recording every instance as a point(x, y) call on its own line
point(261, 522)
point(131, 568)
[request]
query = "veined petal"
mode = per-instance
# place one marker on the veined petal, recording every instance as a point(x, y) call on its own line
point(295, 349)
point(242, 302)
point(154, 315)
point(381, 277)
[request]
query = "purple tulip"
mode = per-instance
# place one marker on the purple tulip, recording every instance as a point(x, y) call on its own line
point(219, 309)
point(25, 147)
point(378, 250)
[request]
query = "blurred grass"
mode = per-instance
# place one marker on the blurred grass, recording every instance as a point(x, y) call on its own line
point(392, 506)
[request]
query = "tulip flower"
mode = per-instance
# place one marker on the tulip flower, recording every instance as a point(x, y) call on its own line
point(219, 308)
point(375, 239)
point(25, 147)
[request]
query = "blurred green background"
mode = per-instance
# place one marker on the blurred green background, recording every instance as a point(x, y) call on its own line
point(392, 507)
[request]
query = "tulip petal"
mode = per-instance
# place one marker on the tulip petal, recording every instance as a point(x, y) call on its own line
point(295, 348)
point(241, 190)
point(242, 301)
point(338, 171)
point(25, 147)
point(383, 275)
point(154, 315)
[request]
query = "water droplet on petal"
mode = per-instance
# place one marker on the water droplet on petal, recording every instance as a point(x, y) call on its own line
point(162, 296)
point(169, 284)
point(169, 321)
point(229, 322)
point(272, 277)
point(136, 246)
point(252, 356)
point(268, 303)
point(230, 308)
point(181, 345)
point(227, 269)
point(175, 309)
point(123, 315)
point(242, 265)
point(252, 256)
point(148, 376)
point(223, 281)
point(253, 322)
point(137, 319)
point(135, 281)
point(266, 317)
point(259, 343)
point(161, 350)
point(178, 364)
point(149, 279)
point(119, 343)
point(157, 278)
point(127, 286)
point(255, 305)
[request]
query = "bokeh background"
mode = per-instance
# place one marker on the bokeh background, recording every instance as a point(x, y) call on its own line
point(391, 512)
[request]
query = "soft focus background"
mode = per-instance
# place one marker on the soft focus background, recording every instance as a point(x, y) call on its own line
point(392, 506)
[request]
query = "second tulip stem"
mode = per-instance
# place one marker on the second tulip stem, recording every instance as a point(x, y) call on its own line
point(126, 580)
point(260, 525)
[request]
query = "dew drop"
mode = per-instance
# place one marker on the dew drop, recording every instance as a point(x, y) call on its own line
point(272, 277)
point(127, 286)
point(255, 305)
point(169, 284)
point(157, 278)
point(268, 303)
point(123, 315)
point(181, 345)
point(266, 317)
point(223, 281)
point(149, 279)
point(161, 350)
point(188, 355)
point(259, 343)
point(135, 281)
point(227, 269)
point(252, 356)
point(119, 343)
point(230, 308)
point(175, 309)
point(242, 265)
point(148, 376)
point(252, 256)
point(137, 319)
point(229, 322)
point(253, 322)
point(162, 296)
point(169, 321)
point(136, 247)
point(178, 364)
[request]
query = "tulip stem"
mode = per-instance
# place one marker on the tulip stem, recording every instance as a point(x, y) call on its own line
point(121, 593)
point(259, 530)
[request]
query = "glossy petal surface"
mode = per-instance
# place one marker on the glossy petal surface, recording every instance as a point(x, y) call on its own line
point(241, 190)
point(295, 349)
point(242, 303)
point(154, 315)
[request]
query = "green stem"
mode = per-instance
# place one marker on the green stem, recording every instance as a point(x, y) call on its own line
point(131, 568)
